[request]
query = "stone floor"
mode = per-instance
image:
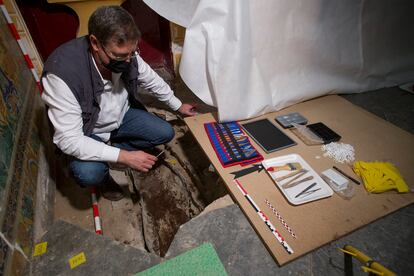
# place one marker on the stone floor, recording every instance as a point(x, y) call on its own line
point(389, 240)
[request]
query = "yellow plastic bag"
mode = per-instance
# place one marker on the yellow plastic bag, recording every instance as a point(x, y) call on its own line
point(380, 177)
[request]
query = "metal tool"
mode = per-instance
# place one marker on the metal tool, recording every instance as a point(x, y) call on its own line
point(371, 266)
point(293, 184)
point(297, 176)
point(310, 192)
point(290, 175)
point(306, 189)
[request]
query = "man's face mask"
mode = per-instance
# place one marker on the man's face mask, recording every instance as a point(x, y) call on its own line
point(118, 63)
point(118, 66)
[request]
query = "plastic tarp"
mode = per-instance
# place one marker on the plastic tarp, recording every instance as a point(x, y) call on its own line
point(252, 57)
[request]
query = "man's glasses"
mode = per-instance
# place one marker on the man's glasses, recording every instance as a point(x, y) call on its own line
point(120, 57)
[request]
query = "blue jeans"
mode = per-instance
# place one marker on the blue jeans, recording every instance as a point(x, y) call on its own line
point(138, 130)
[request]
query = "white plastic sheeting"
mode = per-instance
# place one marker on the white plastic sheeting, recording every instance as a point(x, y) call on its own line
point(252, 57)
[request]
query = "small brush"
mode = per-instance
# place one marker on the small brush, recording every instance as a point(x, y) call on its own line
point(285, 167)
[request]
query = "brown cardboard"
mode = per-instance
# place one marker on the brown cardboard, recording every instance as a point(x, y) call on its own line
point(319, 222)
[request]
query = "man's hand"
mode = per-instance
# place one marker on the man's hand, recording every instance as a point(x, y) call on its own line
point(137, 160)
point(188, 109)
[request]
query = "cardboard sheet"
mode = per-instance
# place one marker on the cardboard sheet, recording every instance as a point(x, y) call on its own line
point(319, 222)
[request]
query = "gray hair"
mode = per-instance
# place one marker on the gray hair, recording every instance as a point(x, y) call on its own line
point(113, 23)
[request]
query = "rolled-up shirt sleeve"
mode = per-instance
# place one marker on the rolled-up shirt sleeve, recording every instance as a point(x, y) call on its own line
point(150, 80)
point(65, 114)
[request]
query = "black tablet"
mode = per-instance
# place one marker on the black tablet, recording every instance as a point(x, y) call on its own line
point(268, 136)
point(324, 132)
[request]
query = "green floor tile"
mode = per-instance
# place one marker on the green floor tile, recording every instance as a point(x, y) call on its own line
point(202, 260)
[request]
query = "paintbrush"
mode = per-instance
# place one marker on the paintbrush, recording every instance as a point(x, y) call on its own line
point(285, 167)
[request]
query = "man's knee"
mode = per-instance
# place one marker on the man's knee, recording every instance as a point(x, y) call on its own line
point(166, 134)
point(89, 173)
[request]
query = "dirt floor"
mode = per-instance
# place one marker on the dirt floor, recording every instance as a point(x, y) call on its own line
point(179, 187)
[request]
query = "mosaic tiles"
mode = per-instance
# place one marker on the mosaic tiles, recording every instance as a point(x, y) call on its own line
point(19, 153)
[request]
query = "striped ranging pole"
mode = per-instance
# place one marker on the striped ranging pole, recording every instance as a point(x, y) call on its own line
point(21, 45)
point(96, 218)
point(264, 218)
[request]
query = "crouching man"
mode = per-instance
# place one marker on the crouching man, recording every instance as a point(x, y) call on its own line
point(89, 87)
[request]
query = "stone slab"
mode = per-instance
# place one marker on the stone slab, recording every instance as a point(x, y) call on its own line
point(103, 256)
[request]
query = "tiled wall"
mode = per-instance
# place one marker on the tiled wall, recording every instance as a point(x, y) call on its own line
point(20, 141)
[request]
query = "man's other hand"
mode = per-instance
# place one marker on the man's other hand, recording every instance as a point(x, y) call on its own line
point(188, 109)
point(137, 160)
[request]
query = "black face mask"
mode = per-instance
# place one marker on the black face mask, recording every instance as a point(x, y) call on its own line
point(118, 66)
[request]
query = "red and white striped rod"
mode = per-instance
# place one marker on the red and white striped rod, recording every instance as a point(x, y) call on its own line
point(279, 217)
point(264, 218)
point(96, 218)
point(21, 45)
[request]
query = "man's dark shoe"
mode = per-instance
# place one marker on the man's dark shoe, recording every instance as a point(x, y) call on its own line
point(112, 191)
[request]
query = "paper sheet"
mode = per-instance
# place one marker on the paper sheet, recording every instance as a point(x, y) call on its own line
point(251, 57)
